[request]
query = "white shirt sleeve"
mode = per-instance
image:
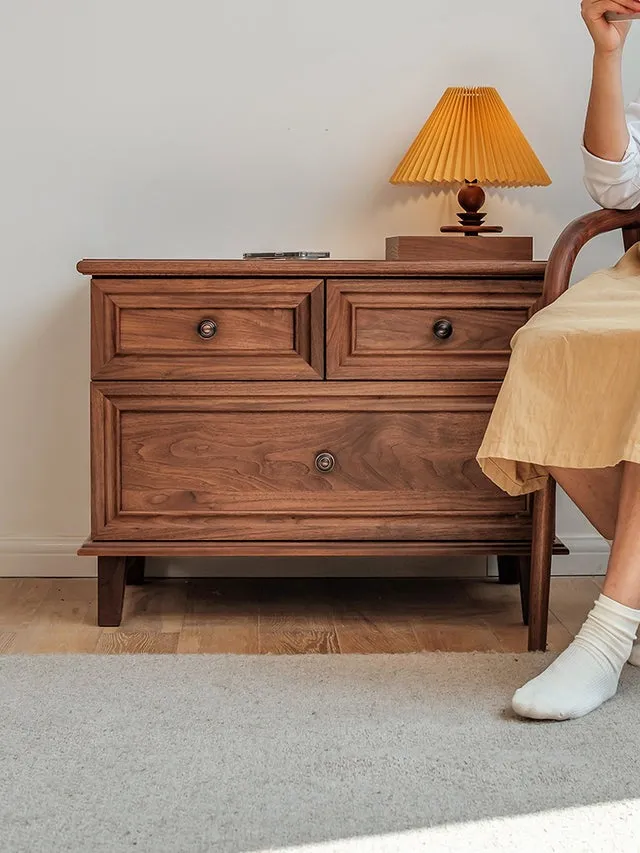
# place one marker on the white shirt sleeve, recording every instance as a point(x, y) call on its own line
point(616, 184)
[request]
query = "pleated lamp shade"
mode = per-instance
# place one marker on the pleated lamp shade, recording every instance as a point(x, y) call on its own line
point(471, 136)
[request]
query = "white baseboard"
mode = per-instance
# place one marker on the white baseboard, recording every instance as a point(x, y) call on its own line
point(44, 558)
point(47, 558)
point(589, 556)
point(56, 557)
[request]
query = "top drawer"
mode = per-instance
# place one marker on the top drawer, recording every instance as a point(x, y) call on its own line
point(424, 329)
point(207, 329)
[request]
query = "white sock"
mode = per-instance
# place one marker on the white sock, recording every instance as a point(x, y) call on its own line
point(586, 674)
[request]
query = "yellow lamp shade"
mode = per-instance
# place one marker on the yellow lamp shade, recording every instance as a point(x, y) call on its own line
point(471, 136)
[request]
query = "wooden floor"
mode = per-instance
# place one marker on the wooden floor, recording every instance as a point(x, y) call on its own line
point(346, 616)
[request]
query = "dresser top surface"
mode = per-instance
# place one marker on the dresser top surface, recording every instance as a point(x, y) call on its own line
point(311, 269)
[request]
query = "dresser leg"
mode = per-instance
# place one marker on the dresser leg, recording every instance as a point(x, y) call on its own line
point(508, 569)
point(544, 523)
point(135, 571)
point(111, 584)
point(512, 570)
point(525, 586)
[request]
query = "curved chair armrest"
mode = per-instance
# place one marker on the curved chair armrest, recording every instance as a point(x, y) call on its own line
point(574, 237)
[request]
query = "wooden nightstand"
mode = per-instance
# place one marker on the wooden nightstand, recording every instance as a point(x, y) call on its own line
point(303, 408)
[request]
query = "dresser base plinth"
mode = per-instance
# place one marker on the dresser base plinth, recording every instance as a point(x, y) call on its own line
point(140, 548)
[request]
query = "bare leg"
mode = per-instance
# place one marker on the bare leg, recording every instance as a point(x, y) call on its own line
point(595, 491)
point(623, 575)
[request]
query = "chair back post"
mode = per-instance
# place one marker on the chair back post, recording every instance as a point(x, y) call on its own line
point(575, 236)
point(630, 236)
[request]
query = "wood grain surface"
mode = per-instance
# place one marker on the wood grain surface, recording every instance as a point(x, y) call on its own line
point(317, 269)
point(265, 329)
point(443, 248)
point(234, 467)
point(389, 329)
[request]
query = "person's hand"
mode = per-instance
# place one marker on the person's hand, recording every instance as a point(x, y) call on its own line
point(608, 37)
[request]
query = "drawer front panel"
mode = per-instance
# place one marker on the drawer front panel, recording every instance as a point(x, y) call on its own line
point(237, 467)
point(174, 331)
point(405, 331)
point(424, 330)
point(208, 329)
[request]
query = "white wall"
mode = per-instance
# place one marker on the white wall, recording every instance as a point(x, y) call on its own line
point(203, 128)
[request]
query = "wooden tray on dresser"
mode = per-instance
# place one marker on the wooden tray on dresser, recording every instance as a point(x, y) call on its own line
point(305, 408)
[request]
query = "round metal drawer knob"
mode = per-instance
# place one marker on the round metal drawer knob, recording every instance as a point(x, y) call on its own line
point(325, 462)
point(443, 329)
point(207, 328)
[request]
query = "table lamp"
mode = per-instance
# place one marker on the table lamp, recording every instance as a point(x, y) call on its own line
point(471, 138)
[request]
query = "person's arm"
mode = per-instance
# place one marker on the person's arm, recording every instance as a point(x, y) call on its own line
point(610, 144)
point(605, 132)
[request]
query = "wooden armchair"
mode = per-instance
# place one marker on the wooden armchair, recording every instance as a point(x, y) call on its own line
point(558, 275)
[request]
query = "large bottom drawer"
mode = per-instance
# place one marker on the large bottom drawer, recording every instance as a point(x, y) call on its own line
point(270, 461)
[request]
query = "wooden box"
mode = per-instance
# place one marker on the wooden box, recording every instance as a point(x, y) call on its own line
point(459, 248)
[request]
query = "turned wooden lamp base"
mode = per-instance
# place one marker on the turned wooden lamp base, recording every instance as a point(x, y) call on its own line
point(471, 198)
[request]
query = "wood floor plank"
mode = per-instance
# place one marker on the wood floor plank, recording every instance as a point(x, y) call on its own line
point(136, 642)
point(7, 642)
point(312, 642)
point(221, 617)
point(515, 638)
point(372, 615)
point(156, 606)
point(297, 617)
point(278, 618)
point(498, 607)
point(360, 636)
point(296, 604)
point(455, 638)
point(57, 639)
point(64, 621)
point(239, 637)
point(20, 599)
point(285, 616)
point(448, 601)
point(571, 600)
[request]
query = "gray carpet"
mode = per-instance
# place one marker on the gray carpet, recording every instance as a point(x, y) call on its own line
point(329, 753)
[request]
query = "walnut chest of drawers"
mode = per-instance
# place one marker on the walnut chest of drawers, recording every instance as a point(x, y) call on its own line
point(302, 408)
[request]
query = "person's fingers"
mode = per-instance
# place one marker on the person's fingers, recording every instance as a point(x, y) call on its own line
point(599, 7)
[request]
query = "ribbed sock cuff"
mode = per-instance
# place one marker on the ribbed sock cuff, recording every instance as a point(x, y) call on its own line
point(609, 632)
point(619, 609)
